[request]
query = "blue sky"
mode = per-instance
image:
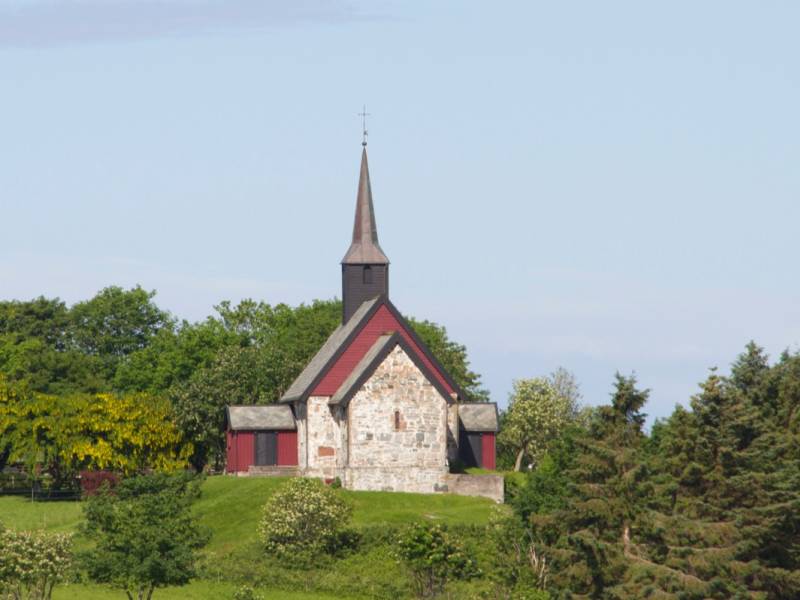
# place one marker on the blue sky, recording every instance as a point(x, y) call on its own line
point(603, 186)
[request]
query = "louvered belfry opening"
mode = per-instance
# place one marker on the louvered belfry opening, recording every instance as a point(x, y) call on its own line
point(365, 268)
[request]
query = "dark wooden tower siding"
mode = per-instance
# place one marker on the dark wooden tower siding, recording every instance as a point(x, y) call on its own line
point(260, 436)
point(477, 431)
point(361, 283)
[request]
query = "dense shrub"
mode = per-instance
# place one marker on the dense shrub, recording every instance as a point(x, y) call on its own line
point(517, 564)
point(246, 592)
point(31, 563)
point(433, 556)
point(304, 518)
point(91, 481)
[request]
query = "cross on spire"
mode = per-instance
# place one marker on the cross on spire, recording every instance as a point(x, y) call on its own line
point(364, 114)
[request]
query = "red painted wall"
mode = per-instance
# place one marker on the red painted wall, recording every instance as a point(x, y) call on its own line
point(229, 458)
point(487, 451)
point(241, 449)
point(287, 448)
point(381, 322)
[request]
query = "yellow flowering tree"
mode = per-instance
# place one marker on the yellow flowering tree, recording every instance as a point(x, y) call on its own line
point(64, 434)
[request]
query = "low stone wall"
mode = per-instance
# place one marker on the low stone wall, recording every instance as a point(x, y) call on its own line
point(395, 479)
point(402, 479)
point(271, 471)
point(486, 486)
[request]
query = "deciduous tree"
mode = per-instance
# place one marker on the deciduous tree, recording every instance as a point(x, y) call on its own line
point(66, 434)
point(536, 414)
point(144, 534)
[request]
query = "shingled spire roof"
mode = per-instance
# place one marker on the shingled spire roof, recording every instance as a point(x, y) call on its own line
point(365, 250)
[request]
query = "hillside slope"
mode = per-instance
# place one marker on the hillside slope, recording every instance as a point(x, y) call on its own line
point(231, 507)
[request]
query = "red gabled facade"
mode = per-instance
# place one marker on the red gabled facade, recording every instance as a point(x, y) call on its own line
point(381, 322)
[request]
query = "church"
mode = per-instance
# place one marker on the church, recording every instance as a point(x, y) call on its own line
point(373, 408)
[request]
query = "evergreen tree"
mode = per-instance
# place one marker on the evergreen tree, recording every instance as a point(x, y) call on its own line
point(592, 538)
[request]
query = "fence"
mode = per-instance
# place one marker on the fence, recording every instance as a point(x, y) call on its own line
point(16, 484)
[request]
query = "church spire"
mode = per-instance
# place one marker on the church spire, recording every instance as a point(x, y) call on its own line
point(365, 250)
point(365, 268)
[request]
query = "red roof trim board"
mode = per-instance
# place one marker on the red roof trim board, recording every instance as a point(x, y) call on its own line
point(382, 321)
point(378, 317)
point(374, 358)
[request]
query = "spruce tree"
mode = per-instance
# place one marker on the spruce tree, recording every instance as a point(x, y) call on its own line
point(591, 538)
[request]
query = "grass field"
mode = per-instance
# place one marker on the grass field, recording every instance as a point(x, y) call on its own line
point(197, 590)
point(231, 507)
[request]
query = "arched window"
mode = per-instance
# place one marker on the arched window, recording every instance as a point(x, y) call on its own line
point(397, 420)
point(367, 274)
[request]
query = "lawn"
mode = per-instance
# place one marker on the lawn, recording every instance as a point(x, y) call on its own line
point(198, 590)
point(231, 507)
point(20, 513)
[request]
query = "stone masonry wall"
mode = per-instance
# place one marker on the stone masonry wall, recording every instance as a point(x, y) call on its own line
point(398, 430)
point(452, 431)
point(302, 434)
point(323, 438)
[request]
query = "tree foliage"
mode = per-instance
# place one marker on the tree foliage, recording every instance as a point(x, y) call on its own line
point(144, 535)
point(707, 506)
point(517, 565)
point(56, 349)
point(433, 557)
point(63, 435)
point(539, 410)
point(116, 322)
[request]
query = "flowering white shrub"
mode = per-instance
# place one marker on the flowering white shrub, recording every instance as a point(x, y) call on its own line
point(303, 518)
point(31, 563)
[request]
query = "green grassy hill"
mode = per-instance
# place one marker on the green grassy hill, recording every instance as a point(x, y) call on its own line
point(231, 507)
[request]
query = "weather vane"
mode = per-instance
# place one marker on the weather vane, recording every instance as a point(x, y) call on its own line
point(364, 114)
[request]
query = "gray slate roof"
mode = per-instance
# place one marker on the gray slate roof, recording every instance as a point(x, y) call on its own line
point(380, 346)
point(271, 417)
point(331, 346)
point(478, 416)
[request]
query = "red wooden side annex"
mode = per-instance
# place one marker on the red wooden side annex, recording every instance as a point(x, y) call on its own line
point(241, 450)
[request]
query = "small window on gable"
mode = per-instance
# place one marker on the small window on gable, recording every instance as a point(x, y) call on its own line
point(397, 420)
point(367, 274)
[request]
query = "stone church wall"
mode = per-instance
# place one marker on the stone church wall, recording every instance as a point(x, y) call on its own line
point(452, 431)
point(323, 438)
point(398, 427)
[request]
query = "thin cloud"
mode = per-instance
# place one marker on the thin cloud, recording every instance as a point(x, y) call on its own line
point(60, 22)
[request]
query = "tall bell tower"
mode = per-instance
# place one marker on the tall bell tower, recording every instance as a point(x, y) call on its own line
point(365, 268)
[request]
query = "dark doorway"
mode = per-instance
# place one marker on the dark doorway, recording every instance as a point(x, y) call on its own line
point(266, 448)
point(470, 449)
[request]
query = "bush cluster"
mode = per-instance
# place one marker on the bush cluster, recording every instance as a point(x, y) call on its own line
point(31, 563)
point(433, 557)
point(304, 519)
